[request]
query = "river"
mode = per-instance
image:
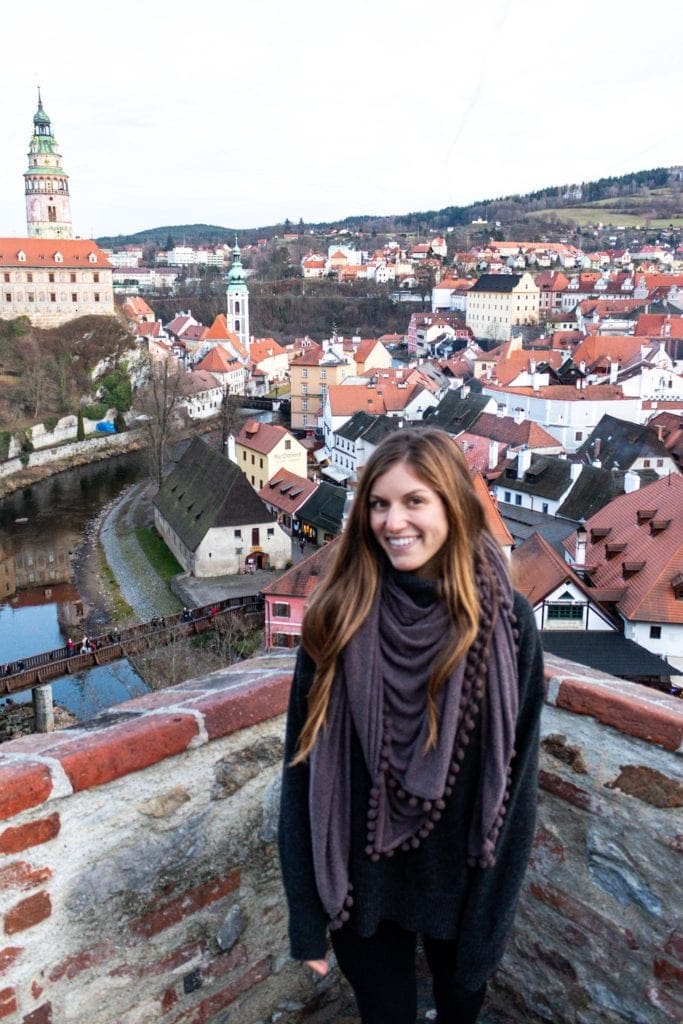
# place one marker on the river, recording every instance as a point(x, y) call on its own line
point(41, 528)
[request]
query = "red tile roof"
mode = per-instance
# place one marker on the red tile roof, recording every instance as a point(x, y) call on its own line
point(286, 491)
point(302, 579)
point(657, 541)
point(42, 252)
point(260, 437)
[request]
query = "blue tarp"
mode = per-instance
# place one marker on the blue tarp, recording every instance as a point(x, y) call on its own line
point(106, 427)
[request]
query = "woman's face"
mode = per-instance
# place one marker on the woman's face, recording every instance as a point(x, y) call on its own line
point(409, 521)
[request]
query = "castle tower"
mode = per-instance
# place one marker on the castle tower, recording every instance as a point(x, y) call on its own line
point(238, 299)
point(46, 185)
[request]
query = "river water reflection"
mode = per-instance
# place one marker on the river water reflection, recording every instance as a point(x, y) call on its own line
point(40, 529)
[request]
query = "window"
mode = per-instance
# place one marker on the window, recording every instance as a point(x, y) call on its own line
point(270, 532)
point(260, 463)
point(238, 535)
point(255, 537)
point(578, 436)
point(646, 463)
point(244, 456)
point(288, 445)
point(97, 299)
point(304, 373)
point(323, 374)
point(253, 460)
point(51, 278)
point(96, 277)
point(283, 611)
point(29, 277)
point(53, 296)
point(655, 632)
point(573, 612)
point(518, 499)
point(52, 213)
point(74, 297)
point(507, 496)
point(285, 640)
point(544, 507)
point(72, 278)
point(7, 277)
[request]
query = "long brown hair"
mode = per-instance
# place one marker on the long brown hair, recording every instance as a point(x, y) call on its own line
point(341, 602)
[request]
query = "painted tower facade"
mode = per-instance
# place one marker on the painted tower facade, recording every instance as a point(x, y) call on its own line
point(46, 185)
point(238, 299)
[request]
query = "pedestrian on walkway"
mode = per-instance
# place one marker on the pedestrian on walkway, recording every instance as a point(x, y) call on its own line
point(302, 544)
point(410, 778)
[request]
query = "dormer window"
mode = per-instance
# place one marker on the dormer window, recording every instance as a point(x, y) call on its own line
point(58, 257)
point(21, 255)
point(92, 257)
point(659, 525)
point(677, 584)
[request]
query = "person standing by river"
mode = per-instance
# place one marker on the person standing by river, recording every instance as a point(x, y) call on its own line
point(409, 786)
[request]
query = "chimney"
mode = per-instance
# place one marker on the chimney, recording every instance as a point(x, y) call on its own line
point(575, 471)
point(464, 391)
point(613, 371)
point(582, 365)
point(520, 414)
point(535, 382)
point(500, 410)
point(493, 454)
point(523, 462)
point(230, 445)
point(631, 482)
point(580, 553)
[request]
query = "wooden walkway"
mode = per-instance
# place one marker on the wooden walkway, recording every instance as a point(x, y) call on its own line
point(27, 673)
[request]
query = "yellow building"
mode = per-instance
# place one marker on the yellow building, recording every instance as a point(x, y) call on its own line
point(310, 375)
point(261, 449)
point(498, 302)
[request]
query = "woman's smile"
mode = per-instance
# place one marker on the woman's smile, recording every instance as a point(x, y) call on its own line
point(408, 520)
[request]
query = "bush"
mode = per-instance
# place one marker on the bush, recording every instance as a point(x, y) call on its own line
point(117, 392)
point(96, 411)
point(25, 442)
point(5, 438)
point(50, 422)
point(120, 423)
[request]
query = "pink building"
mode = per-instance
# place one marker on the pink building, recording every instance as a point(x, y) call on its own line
point(286, 598)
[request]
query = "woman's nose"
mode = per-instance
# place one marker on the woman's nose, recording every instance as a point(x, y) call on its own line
point(395, 517)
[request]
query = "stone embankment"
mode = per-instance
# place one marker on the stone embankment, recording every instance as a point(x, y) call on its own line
point(140, 881)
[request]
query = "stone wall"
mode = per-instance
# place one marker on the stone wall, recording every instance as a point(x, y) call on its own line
point(139, 878)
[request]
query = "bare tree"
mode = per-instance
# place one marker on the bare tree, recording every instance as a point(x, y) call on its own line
point(35, 379)
point(157, 405)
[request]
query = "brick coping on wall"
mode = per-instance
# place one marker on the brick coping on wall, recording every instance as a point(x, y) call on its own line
point(142, 732)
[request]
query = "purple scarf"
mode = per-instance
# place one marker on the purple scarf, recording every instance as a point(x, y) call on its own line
point(380, 690)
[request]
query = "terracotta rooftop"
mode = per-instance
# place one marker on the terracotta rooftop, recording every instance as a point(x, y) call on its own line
point(302, 579)
point(287, 491)
point(81, 254)
point(261, 437)
point(653, 537)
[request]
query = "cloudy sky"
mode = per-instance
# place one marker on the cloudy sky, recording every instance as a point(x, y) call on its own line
point(246, 113)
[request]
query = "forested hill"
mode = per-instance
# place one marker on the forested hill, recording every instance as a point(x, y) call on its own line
point(651, 194)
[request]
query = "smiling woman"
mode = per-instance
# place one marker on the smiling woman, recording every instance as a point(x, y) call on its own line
point(409, 786)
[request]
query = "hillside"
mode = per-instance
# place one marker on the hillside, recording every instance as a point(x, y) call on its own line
point(643, 199)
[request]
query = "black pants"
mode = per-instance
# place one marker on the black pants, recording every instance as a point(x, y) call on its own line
point(381, 972)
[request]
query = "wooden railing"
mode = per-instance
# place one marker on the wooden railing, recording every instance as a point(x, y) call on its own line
point(26, 673)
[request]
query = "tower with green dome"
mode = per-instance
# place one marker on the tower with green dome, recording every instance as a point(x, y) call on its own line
point(238, 299)
point(46, 184)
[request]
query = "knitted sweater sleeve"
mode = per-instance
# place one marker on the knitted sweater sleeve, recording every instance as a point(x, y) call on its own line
point(493, 892)
point(307, 918)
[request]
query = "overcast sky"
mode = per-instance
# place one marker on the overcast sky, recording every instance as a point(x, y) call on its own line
point(244, 114)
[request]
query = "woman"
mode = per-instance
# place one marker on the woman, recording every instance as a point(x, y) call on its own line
point(409, 786)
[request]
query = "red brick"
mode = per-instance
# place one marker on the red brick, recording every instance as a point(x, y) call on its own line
point(582, 915)
point(21, 837)
point(164, 966)
point(228, 711)
point(627, 714)
point(674, 946)
point(201, 896)
point(78, 962)
point(23, 786)
point(43, 1015)
point(9, 956)
point(20, 875)
point(29, 912)
point(547, 851)
point(127, 747)
point(210, 1006)
point(668, 973)
point(565, 790)
point(169, 999)
point(8, 1001)
point(224, 964)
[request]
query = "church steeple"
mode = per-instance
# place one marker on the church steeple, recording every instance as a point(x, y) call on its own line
point(46, 184)
point(238, 298)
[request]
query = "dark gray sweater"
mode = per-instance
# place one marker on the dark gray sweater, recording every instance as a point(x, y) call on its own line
point(430, 889)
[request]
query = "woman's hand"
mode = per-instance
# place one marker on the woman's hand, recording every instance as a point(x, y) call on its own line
point(320, 967)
